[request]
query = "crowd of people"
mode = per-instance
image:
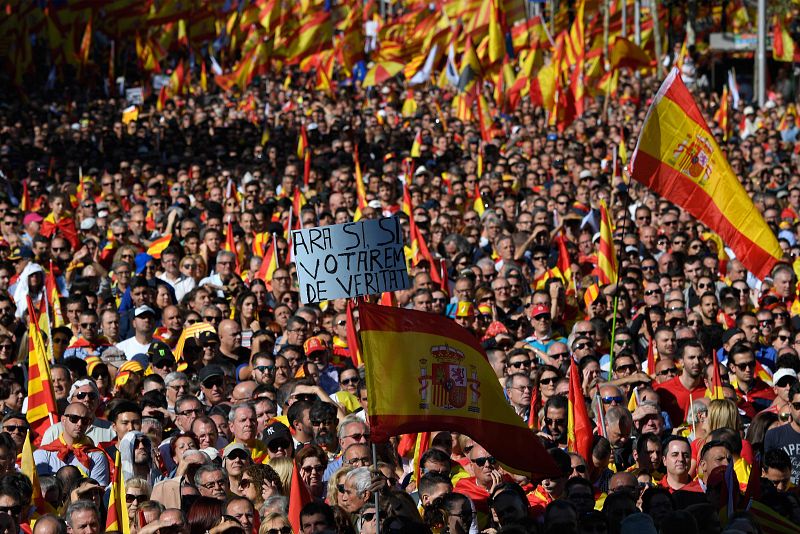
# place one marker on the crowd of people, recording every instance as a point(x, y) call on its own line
point(212, 380)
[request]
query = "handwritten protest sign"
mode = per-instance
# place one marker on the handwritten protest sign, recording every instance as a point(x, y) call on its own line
point(351, 259)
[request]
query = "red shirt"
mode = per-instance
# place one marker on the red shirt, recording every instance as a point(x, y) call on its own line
point(693, 486)
point(758, 398)
point(674, 398)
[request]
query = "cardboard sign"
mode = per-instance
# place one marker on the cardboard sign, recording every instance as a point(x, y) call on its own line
point(349, 260)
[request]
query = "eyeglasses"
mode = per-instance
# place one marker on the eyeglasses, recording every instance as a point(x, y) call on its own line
point(611, 400)
point(312, 469)
point(75, 418)
point(630, 368)
point(6, 346)
point(81, 395)
point(358, 437)
point(212, 318)
point(265, 368)
point(215, 382)
point(191, 411)
point(766, 322)
point(181, 387)
point(129, 498)
point(550, 422)
point(796, 405)
point(483, 460)
point(15, 428)
point(651, 292)
point(326, 422)
point(693, 322)
point(215, 483)
point(282, 530)
point(308, 397)
point(88, 325)
point(746, 365)
point(579, 469)
point(356, 461)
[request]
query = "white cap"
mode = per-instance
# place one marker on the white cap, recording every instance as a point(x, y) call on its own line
point(749, 110)
point(88, 223)
point(782, 373)
point(586, 173)
point(374, 204)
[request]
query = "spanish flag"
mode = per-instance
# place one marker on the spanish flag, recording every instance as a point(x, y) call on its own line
point(443, 382)
point(607, 268)
point(299, 496)
point(53, 297)
point(416, 147)
point(579, 427)
point(676, 156)
point(117, 516)
point(42, 410)
point(230, 246)
point(269, 263)
point(28, 468)
point(715, 391)
point(352, 336)
point(157, 247)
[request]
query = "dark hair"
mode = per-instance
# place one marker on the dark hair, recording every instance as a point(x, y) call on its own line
point(429, 480)
point(296, 410)
point(777, 459)
point(435, 455)
point(714, 443)
point(173, 442)
point(203, 514)
point(316, 507)
point(120, 406)
point(558, 402)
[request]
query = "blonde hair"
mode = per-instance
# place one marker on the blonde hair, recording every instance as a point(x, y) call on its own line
point(272, 516)
point(283, 466)
point(723, 413)
point(140, 484)
point(333, 491)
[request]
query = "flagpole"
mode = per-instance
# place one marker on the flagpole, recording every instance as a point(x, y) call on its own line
point(377, 503)
point(619, 268)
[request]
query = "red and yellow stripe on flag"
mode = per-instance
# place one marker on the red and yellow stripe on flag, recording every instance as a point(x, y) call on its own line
point(53, 298)
point(28, 468)
point(352, 336)
point(193, 330)
point(421, 446)
point(42, 410)
point(269, 263)
point(676, 156)
point(117, 516)
point(579, 427)
point(607, 268)
point(715, 391)
point(770, 521)
point(157, 247)
point(230, 246)
point(446, 383)
point(361, 192)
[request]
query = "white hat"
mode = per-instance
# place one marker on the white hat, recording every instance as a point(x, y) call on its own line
point(749, 110)
point(374, 204)
point(769, 104)
point(88, 223)
point(586, 173)
point(783, 372)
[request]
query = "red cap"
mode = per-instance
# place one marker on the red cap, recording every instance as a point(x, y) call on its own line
point(314, 344)
point(540, 309)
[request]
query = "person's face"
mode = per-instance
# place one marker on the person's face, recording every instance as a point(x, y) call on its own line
point(349, 498)
point(126, 422)
point(348, 380)
point(354, 433)
point(780, 478)
point(189, 411)
point(18, 429)
point(519, 393)
point(61, 382)
point(244, 424)
point(716, 457)
point(264, 370)
point(693, 362)
point(213, 484)
point(750, 328)
point(314, 524)
point(214, 389)
point(87, 396)
point(76, 421)
point(677, 458)
point(243, 512)
point(555, 422)
point(83, 522)
point(743, 365)
point(207, 434)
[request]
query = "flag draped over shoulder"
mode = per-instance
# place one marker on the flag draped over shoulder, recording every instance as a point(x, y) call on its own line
point(676, 156)
point(442, 382)
point(42, 410)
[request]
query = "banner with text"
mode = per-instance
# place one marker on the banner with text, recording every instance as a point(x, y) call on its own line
point(349, 260)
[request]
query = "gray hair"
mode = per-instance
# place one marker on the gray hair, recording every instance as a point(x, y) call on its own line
point(222, 254)
point(208, 468)
point(360, 478)
point(175, 375)
point(80, 506)
point(276, 502)
point(240, 406)
point(698, 407)
point(348, 420)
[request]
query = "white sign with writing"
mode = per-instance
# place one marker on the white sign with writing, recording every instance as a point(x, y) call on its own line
point(349, 260)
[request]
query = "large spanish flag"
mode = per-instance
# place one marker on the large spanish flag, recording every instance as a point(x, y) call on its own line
point(676, 156)
point(117, 516)
point(425, 373)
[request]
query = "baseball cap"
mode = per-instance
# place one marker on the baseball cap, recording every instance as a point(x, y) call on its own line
point(230, 447)
point(143, 310)
point(540, 309)
point(783, 372)
point(314, 344)
point(31, 218)
point(728, 334)
point(207, 338)
point(210, 371)
point(276, 432)
point(21, 253)
point(88, 223)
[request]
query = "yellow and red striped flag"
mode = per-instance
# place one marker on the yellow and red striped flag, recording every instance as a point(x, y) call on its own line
point(42, 410)
point(607, 268)
point(28, 468)
point(269, 263)
point(416, 146)
point(230, 246)
point(447, 385)
point(721, 116)
point(478, 204)
point(304, 153)
point(157, 247)
point(117, 516)
point(352, 337)
point(579, 427)
point(783, 46)
point(676, 157)
point(423, 443)
point(53, 298)
point(715, 391)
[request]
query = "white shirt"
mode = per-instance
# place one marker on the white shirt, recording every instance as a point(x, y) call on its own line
point(131, 347)
point(182, 285)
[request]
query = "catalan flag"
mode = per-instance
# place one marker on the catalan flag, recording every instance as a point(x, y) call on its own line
point(117, 516)
point(579, 427)
point(676, 156)
point(157, 247)
point(42, 410)
point(447, 385)
point(607, 268)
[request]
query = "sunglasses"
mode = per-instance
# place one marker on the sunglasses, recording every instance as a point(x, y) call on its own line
point(491, 460)
point(668, 371)
point(550, 422)
point(308, 397)
point(520, 364)
point(245, 483)
point(265, 368)
point(81, 395)
point(651, 292)
point(609, 400)
point(746, 365)
point(282, 530)
point(75, 418)
point(580, 346)
point(548, 381)
point(626, 368)
point(350, 381)
point(213, 382)
point(129, 498)
point(796, 405)
point(579, 468)
point(15, 428)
